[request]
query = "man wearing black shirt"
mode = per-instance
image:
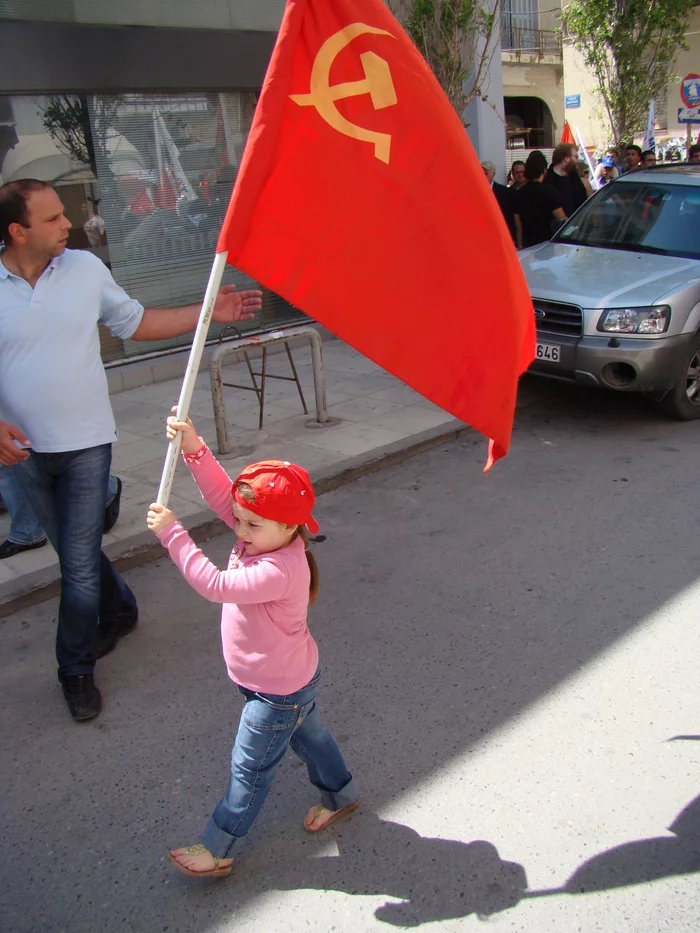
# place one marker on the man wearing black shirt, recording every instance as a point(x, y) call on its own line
point(633, 158)
point(563, 175)
point(538, 204)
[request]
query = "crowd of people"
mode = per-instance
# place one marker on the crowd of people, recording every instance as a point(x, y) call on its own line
point(538, 197)
point(538, 194)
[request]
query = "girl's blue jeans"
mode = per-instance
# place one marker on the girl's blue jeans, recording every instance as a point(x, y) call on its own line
point(269, 725)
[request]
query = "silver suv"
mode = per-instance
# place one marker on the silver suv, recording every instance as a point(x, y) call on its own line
point(616, 292)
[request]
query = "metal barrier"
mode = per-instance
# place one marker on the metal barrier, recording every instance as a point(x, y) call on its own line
point(263, 374)
point(263, 341)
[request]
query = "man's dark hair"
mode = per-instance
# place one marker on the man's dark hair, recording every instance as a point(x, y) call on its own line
point(535, 166)
point(13, 204)
point(648, 152)
point(637, 149)
point(693, 151)
point(561, 152)
point(612, 151)
point(509, 179)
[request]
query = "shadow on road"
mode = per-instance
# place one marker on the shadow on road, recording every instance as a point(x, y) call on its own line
point(443, 879)
point(640, 861)
point(436, 879)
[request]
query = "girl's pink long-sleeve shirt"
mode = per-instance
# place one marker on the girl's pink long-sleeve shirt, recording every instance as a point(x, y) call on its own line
point(266, 642)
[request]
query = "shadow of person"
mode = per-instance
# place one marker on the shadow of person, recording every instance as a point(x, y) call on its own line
point(436, 879)
point(641, 860)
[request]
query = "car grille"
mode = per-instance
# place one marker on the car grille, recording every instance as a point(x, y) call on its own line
point(554, 318)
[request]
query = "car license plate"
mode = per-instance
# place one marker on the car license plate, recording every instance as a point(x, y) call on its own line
point(549, 352)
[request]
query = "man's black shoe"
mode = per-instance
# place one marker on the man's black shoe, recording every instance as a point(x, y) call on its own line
point(9, 548)
point(112, 510)
point(82, 696)
point(107, 635)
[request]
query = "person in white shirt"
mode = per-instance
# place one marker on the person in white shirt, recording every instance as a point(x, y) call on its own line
point(56, 421)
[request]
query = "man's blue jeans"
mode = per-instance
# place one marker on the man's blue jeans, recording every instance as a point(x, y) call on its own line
point(25, 527)
point(68, 492)
point(269, 726)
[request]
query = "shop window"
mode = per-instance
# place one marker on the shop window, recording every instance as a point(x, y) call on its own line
point(145, 181)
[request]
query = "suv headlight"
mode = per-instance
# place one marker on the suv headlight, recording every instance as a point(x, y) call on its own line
point(650, 321)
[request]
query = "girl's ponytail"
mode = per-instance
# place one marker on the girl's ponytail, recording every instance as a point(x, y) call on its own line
point(313, 566)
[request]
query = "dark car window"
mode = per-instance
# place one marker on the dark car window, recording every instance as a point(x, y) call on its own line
point(644, 217)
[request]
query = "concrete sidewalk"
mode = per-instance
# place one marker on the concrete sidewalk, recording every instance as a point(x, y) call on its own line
point(374, 419)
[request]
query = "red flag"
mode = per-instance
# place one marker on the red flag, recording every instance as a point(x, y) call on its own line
point(567, 136)
point(361, 201)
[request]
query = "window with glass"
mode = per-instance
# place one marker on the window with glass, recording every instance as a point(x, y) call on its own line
point(520, 22)
point(642, 217)
point(145, 180)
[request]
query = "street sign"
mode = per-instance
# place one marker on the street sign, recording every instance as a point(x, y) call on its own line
point(573, 101)
point(690, 90)
point(688, 115)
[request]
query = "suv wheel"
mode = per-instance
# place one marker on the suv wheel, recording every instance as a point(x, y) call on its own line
point(683, 400)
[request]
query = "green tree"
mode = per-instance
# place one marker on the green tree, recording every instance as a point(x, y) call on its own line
point(67, 119)
point(631, 47)
point(458, 39)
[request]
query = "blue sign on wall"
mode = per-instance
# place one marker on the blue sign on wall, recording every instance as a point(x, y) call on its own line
point(688, 115)
point(572, 101)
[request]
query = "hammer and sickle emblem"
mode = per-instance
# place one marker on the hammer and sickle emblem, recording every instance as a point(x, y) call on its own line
point(377, 83)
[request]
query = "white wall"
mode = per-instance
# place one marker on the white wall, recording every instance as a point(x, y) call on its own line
point(486, 124)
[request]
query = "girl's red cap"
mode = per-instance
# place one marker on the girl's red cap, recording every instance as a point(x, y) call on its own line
point(283, 493)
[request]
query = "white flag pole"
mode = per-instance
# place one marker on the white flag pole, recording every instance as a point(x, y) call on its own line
point(649, 141)
point(183, 405)
point(589, 162)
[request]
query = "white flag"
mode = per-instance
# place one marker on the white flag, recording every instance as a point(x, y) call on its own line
point(582, 151)
point(649, 138)
point(172, 181)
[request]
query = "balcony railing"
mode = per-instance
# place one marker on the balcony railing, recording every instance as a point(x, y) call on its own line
point(539, 42)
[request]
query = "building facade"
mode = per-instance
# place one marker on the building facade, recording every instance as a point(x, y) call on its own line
point(137, 111)
point(533, 80)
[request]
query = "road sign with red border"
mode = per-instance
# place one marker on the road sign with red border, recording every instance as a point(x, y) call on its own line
point(690, 91)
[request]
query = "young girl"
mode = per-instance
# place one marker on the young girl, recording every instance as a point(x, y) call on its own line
point(269, 652)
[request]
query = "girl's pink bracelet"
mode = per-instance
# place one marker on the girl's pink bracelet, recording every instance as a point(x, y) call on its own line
point(197, 455)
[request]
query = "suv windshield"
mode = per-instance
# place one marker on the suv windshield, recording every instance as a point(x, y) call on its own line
point(641, 217)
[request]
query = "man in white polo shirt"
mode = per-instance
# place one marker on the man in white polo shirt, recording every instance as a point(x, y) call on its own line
point(56, 421)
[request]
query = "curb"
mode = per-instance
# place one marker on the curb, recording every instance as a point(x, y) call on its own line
point(142, 548)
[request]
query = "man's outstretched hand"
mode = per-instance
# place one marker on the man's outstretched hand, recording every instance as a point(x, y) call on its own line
point(10, 453)
point(232, 305)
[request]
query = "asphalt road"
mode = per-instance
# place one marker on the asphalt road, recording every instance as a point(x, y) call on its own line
point(511, 668)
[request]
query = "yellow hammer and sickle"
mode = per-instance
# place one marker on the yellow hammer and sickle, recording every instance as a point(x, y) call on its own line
point(377, 83)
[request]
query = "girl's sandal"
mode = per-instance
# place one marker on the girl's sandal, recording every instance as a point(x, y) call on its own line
point(332, 815)
point(218, 871)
